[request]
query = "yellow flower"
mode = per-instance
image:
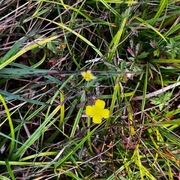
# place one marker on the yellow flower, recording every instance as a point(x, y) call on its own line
point(88, 75)
point(97, 111)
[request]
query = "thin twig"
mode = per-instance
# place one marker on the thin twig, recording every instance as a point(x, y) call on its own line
point(155, 93)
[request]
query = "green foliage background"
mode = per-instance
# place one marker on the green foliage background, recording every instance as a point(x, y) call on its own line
point(132, 47)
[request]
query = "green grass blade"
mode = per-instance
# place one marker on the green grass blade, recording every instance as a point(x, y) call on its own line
point(10, 96)
point(116, 39)
point(40, 62)
point(162, 5)
point(113, 101)
point(144, 23)
point(173, 29)
point(15, 48)
point(164, 61)
point(144, 91)
point(22, 164)
point(11, 174)
point(61, 25)
point(12, 144)
point(4, 178)
point(62, 113)
point(144, 172)
point(72, 151)
point(42, 154)
point(130, 2)
point(173, 138)
point(78, 116)
point(24, 72)
point(35, 136)
point(24, 50)
point(110, 8)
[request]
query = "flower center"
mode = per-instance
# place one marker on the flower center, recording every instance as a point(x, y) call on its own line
point(87, 76)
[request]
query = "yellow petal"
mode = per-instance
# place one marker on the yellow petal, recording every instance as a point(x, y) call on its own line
point(105, 113)
point(97, 119)
point(89, 110)
point(100, 104)
point(88, 75)
point(83, 74)
point(88, 72)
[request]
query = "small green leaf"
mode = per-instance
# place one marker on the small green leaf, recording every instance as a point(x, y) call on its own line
point(156, 53)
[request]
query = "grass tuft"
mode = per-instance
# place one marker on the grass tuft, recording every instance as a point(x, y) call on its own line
point(59, 57)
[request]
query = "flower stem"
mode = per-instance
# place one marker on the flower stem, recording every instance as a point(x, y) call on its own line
point(89, 134)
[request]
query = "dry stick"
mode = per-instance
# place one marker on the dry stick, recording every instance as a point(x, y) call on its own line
point(155, 93)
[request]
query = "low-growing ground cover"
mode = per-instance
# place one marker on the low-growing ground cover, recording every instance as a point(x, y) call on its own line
point(90, 89)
